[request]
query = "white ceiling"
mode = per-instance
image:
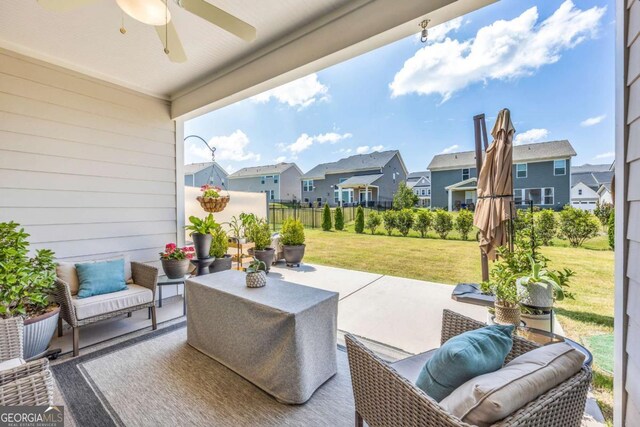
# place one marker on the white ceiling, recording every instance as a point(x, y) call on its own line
point(88, 39)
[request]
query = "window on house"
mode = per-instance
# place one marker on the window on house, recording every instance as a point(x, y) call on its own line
point(466, 173)
point(276, 178)
point(559, 167)
point(415, 192)
point(423, 192)
point(428, 191)
point(263, 179)
point(579, 192)
point(272, 194)
point(307, 185)
point(539, 196)
point(521, 170)
point(548, 196)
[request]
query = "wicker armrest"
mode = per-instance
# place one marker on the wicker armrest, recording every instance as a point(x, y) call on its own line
point(145, 275)
point(11, 338)
point(30, 368)
point(34, 389)
point(62, 295)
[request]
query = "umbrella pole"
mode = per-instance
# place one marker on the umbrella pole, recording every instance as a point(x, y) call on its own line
point(480, 130)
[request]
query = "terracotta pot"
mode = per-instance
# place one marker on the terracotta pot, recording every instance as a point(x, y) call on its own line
point(507, 315)
point(293, 254)
point(175, 268)
point(267, 256)
point(38, 331)
point(221, 264)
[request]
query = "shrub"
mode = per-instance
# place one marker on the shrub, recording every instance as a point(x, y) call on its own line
point(603, 212)
point(404, 197)
point(219, 243)
point(577, 225)
point(260, 235)
point(424, 219)
point(338, 219)
point(546, 226)
point(443, 223)
point(389, 218)
point(326, 218)
point(360, 220)
point(404, 221)
point(292, 233)
point(612, 230)
point(373, 222)
point(464, 223)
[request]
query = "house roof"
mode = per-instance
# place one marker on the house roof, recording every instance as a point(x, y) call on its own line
point(355, 163)
point(414, 176)
point(606, 186)
point(538, 151)
point(587, 167)
point(467, 183)
point(592, 180)
point(420, 182)
point(359, 180)
point(197, 167)
point(263, 170)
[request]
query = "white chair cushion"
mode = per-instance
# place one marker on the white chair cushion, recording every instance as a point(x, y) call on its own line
point(66, 271)
point(11, 363)
point(108, 303)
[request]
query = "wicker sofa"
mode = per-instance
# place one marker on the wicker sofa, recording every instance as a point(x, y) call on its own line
point(21, 383)
point(385, 394)
point(79, 312)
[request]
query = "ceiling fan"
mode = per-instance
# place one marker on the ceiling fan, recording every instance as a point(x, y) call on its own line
point(156, 13)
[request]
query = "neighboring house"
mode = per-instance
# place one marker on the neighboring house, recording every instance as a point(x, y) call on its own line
point(199, 174)
point(597, 178)
point(583, 197)
point(364, 178)
point(604, 194)
point(280, 182)
point(420, 183)
point(541, 172)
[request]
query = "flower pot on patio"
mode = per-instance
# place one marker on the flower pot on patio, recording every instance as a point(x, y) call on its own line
point(506, 315)
point(38, 331)
point(539, 295)
point(537, 321)
point(256, 279)
point(293, 254)
point(175, 268)
point(266, 256)
point(202, 243)
point(221, 264)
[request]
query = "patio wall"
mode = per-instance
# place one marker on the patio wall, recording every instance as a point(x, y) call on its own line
point(86, 166)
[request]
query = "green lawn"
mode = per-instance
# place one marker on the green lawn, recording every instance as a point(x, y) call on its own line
point(455, 261)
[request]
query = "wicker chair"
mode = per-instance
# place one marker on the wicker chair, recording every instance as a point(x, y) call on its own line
point(143, 275)
point(28, 383)
point(383, 397)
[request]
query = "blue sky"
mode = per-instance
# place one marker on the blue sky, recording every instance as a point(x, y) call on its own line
point(551, 63)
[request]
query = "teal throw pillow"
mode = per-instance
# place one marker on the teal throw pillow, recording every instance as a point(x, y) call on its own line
point(464, 357)
point(97, 278)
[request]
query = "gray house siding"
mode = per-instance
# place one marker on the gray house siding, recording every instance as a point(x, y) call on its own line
point(200, 178)
point(290, 186)
point(287, 187)
point(442, 179)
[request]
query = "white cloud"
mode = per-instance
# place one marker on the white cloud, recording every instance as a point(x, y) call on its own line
point(281, 159)
point(500, 51)
point(364, 149)
point(592, 120)
point(233, 147)
point(607, 155)
point(299, 93)
point(450, 149)
point(332, 137)
point(230, 169)
point(530, 136)
point(438, 33)
point(305, 141)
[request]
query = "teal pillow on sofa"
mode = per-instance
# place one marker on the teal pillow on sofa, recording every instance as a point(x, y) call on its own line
point(463, 357)
point(97, 278)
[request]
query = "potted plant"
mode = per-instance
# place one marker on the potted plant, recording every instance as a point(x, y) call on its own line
point(201, 234)
point(260, 235)
point(292, 239)
point(256, 276)
point(175, 260)
point(211, 200)
point(502, 284)
point(26, 288)
point(219, 246)
point(247, 221)
point(238, 233)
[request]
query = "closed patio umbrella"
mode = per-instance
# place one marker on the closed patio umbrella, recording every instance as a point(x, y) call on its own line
point(495, 187)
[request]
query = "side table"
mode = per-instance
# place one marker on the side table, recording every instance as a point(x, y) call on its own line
point(177, 282)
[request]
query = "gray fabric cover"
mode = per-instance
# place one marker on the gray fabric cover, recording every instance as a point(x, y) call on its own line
point(281, 337)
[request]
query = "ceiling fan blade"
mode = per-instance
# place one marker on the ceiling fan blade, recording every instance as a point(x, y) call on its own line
point(176, 51)
point(63, 5)
point(220, 18)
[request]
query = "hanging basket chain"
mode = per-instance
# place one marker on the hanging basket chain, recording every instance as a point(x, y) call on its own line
point(212, 204)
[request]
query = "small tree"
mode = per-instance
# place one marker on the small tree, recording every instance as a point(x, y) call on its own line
point(404, 197)
point(404, 221)
point(577, 225)
point(326, 218)
point(443, 223)
point(464, 223)
point(603, 212)
point(373, 222)
point(546, 226)
point(612, 230)
point(360, 220)
point(339, 219)
point(424, 219)
point(390, 221)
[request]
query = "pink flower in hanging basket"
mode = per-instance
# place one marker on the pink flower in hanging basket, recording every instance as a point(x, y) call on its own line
point(210, 191)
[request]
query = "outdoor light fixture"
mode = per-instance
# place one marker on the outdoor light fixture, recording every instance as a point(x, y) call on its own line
point(151, 12)
point(425, 33)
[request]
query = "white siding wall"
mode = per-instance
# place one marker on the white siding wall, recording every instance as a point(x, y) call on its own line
point(87, 167)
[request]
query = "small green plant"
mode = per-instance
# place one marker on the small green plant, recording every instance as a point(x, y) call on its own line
point(546, 226)
point(201, 226)
point(577, 225)
point(404, 221)
point(260, 234)
point(359, 220)
point(390, 220)
point(247, 220)
point(339, 219)
point(26, 282)
point(219, 243)
point(236, 227)
point(255, 266)
point(373, 222)
point(557, 280)
point(210, 191)
point(292, 233)
point(326, 218)
point(502, 284)
point(464, 223)
point(404, 198)
point(442, 223)
point(612, 230)
point(424, 219)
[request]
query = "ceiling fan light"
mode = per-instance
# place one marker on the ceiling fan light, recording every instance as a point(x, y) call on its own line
point(151, 12)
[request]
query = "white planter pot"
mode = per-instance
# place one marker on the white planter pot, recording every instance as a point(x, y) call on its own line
point(535, 294)
point(537, 321)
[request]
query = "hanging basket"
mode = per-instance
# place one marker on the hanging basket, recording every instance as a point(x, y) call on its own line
point(213, 204)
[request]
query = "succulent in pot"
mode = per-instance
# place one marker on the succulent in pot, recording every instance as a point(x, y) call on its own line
point(260, 235)
point(27, 288)
point(201, 229)
point(219, 246)
point(502, 284)
point(175, 260)
point(540, 287)
point(292, 239)
point(256, 276)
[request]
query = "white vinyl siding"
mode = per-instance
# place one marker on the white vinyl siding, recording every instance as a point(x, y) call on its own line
point(88, 168)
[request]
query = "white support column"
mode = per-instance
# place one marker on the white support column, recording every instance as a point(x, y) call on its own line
point(180, 216)
point(366, 196)
point(339, 196)
point(450, 194)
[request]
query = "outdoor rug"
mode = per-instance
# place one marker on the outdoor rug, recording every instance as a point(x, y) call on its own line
point(159, 380)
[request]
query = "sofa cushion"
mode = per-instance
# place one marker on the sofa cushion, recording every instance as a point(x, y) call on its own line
point(410, 367)
point(108, 303)
point(66, 271)
point(97, 278)
point(11, 363)
point(463, 357)
point(491, 397)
